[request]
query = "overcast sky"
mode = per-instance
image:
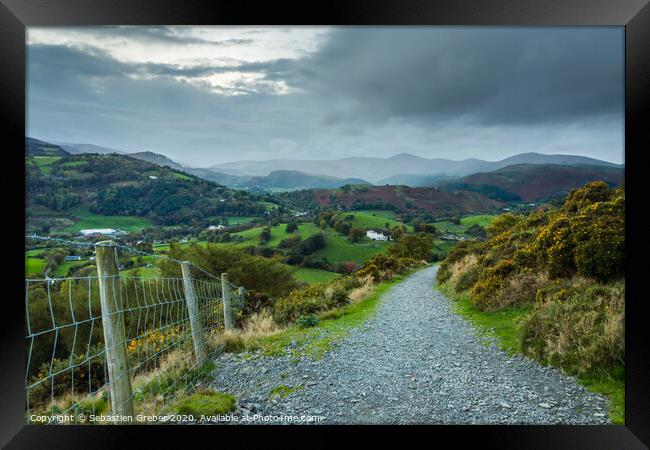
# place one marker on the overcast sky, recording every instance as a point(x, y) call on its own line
point(205, 95)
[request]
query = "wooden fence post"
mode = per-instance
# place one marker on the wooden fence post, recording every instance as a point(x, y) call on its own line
point(194, 314)
point(241, 297)
point(119, 377)
point(228, 319)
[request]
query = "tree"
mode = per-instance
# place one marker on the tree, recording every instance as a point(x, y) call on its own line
point(265, 235)
point(291, 227)
point(417, 246)
point(356, 234)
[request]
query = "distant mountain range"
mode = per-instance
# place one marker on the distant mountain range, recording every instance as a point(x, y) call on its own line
point(526, 177)
point(377, 170)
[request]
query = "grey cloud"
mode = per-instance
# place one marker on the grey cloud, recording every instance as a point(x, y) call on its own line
point(487, 75)
point(433, 92)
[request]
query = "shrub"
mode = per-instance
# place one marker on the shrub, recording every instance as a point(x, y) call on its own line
point(521, 289)
point(307, 320)
point(596, 191)
point(416, 246)
point(339, 296)
point(579, 328)
point(309, 300)
point(489, 285)
point(468, 278)
point(290, 242)
point(502, 223)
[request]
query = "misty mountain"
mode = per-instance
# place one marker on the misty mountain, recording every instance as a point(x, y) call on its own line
point(533, 182)
point(377, 169)
point(78, 149)
point(157, 159)
point(413, 180)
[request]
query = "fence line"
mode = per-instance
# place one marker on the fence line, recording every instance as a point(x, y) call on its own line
point(119, 344)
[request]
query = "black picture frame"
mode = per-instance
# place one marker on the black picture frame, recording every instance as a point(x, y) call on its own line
point(634, 15)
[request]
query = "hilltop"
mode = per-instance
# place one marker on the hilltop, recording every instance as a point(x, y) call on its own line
point(396, 198)
point(534, 182)
point(63, 189)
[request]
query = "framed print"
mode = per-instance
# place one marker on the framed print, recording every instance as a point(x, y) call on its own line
point(369, 218)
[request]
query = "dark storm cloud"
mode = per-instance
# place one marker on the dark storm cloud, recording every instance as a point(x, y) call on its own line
point(488, 75)
point(435, 92)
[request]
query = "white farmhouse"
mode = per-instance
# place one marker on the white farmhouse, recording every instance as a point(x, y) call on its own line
point(375, 236)
point(216, 227)
point(99, 232)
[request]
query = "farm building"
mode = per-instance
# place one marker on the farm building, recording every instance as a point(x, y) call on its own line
point(73, 258)
point(99, 232)
point(216, 227)
point(375, 236)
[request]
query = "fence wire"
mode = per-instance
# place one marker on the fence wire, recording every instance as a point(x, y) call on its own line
point(67, 373)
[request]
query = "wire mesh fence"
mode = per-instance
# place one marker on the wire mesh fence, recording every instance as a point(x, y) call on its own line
point(118, 344)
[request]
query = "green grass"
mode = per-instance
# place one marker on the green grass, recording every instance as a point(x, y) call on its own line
point(62, 269)
point(365, 219)
point(208, 403)
point(503, 326)
point(314, 275)
point(338, 249)
point(282, 391)
point(44, 163)
point(90, 220)
point(465, 223)
point(234, 220)
point(278, 233)
point(333, 326)
point(144, 272)
point(614, 389)
point(500, 324)
point(381, 213)
point(34, 265)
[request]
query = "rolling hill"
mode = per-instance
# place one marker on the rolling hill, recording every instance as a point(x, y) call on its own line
point(534, 182)
point(34, 147)
point(435, 202)
point(62, 190)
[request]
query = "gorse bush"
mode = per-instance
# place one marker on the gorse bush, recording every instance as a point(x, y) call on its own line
point(569, 262)
point(577, 326)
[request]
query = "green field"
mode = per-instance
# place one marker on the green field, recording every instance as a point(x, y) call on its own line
point(241, 220)
point(62, 270)
point(34, 265)
point(465, 223)
point(314, 275)
point(339, 249)
point(366, 219)
point(90, 220)
point(44, 163)
point(144, 272)
point(278, 233)
point(381, 213)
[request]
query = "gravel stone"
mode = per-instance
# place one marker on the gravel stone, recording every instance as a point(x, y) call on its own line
point(414, 362)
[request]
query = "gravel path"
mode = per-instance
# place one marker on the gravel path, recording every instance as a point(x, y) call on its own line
point(414, 362)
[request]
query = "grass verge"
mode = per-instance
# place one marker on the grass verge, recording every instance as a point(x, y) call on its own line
point(503, 325)
point(315, 341)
